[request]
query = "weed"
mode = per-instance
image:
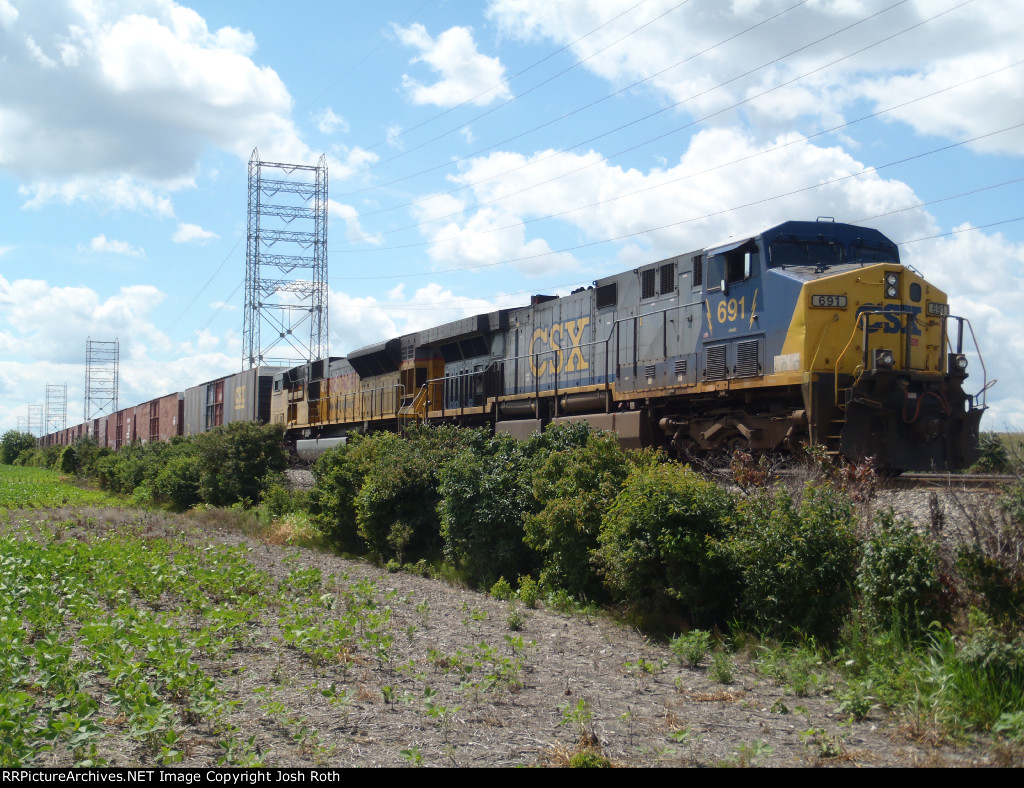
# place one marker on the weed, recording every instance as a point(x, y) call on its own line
point(721, 670)
point(750, 754)
point(682, 735)
point(579, 717)
point(800, 669)
point(691, 647)
point(515, 619)
point(502, 590)
point(588, 759)
point(529, 591)
point(824, 744)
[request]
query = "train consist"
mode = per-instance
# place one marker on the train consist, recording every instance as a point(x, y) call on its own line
point(241, 397)
point(808, 333)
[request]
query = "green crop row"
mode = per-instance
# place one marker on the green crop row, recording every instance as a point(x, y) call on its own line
point(37, 488)
point(119, 645)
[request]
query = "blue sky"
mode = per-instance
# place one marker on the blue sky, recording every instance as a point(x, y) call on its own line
point(481, 152)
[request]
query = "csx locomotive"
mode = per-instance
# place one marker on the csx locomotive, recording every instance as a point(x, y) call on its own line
point(808, 333)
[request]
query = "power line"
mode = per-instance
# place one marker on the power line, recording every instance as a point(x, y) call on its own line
point(962, 230)
point(442, 305)
point(461, 125)
point(665, 109)
point(624, 236)
point(560, 118)
point(364, 58)
point(662, 184)
point(500, 84)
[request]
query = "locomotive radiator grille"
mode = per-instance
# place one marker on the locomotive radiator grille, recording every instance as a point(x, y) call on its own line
point(748, 359)
point(714, 366)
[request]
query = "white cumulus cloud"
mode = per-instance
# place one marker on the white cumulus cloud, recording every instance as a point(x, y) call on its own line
point(110, 246)
point(192, 233)
point(466, 74)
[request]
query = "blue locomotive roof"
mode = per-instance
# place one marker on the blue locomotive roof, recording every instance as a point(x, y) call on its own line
point(825, 243)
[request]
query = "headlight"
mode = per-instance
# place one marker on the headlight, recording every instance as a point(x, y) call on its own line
point(957, 362)
point(884, 359)
point(892, 284)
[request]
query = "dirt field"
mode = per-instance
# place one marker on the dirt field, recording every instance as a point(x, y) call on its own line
point(572, 684)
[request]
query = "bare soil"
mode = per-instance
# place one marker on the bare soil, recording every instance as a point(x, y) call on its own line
point(581, 687)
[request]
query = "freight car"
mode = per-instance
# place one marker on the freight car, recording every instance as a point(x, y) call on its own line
point(807, 333)
point(244, 396)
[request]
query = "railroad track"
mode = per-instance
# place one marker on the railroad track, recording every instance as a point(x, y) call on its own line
point(992, 482)
point(955, 481)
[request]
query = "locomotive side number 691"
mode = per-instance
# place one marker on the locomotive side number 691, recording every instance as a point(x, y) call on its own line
point(729, 310)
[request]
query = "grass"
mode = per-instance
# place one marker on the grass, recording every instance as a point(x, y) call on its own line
point(37, 488)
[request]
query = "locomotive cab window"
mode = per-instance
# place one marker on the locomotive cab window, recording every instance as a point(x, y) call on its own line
point(733, 266)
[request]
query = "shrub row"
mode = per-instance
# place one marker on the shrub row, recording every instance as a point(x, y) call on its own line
point(574, 510)
point(225, 466)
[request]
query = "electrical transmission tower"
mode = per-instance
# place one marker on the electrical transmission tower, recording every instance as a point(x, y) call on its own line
point(285, 264)
point(101, 359)
point(35, 420)
point(56, 408)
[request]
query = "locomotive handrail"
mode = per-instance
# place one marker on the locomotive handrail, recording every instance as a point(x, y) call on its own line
point(358, 397)
point(539, 357)
point(459, 375)
point(986, 385)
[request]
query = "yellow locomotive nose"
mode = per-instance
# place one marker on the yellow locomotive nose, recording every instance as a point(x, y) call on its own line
point(879, 380)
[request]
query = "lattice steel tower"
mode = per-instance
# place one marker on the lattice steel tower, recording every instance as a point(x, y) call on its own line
point(56, 408)
point(101, 360)
point(285, 264)
point(35, 420)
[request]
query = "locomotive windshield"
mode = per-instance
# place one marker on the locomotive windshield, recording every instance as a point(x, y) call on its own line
point(866, 252)
point(806, 251)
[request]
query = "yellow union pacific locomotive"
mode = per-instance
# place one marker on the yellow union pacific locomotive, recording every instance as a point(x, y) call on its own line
point(807, 333)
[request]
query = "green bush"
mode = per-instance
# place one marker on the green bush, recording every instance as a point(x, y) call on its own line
point(995, 458)
point(88, 452)
point(396, 504)
point(13, 443)
point(529, 591)
point(654, 543)
point(177, 483)
point(68, 462)
point(976, 684)
point(898, 576)
point(691, 647)
point(501, 590)
point(278, 500)
point(126, 469)
point(573, 487)
point(235, 459)
point(39, 457)
point(797, 564)
point(339, 475)
point(485, 492)
point(993, 581)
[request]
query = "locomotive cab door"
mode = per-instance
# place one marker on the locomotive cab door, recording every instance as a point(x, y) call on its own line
point(733, 339)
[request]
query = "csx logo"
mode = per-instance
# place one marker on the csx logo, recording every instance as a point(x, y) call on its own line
point(889, 320)
point(557, 349)
point(240, 398)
